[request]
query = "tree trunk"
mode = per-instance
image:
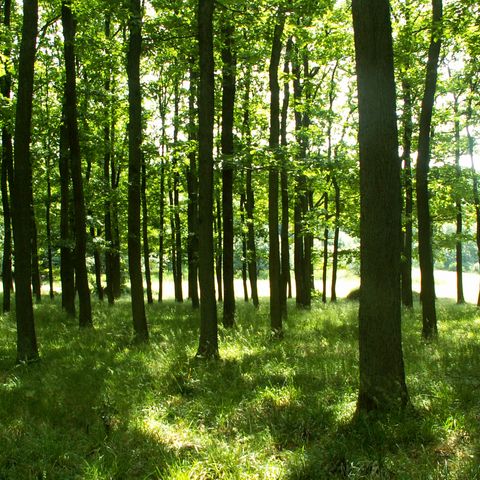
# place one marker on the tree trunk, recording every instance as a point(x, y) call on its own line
point(27, 350)
point(36, 281)
point(458, 206)
point(7, 176)
point(161, 237)
point(192, 187)
point(218, 256)
point(67, 267)
point(208, 341)
point(336, 235)
point(429, 314)
point(325, 252)
point(276, 297)
point(250, 196)
point(146, 247)
point(382, 376)
point(134, 170)
point(81, 275)
point(407, 235)
point(284, 243)
point(244, 245)
point(228, 105)
point(48, 226)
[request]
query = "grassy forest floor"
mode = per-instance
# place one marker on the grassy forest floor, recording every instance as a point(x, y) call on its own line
point(98, 407)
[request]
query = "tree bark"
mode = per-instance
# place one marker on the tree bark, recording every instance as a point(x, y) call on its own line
point(27, 350)
point(146, 247)
point(228, 105)
point(276, 301)
point(429, 314)
point(134, 170)
point(6, 176)
point(81, 275)
point(382, 376)
point(208, 341)
point(36, 281)
point(458, 205)
point(218, 254)
point(407, 235)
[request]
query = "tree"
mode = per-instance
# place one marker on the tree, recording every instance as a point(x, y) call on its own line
point(27, 350)
point(228, 104)
point(425, 252)
point(81, 274)
point(208, 342)
point(134, 170)
point(382, 376)
point(274, 246)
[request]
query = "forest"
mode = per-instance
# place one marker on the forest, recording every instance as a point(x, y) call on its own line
point(226, 232)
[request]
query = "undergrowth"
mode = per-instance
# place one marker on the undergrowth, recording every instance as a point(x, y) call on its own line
point(97, 406)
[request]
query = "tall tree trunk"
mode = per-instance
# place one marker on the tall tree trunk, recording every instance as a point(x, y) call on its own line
point(36, 281)
point(48, 227)
point(228, 104)
point(146, 247)
point(67, 267)
point(7, 175)
point(407, 235)
point(21, 193)
point(429, 314)
point(81, 275)
point(326, 234)
point(161, 237)
point(134, 170)
point(276, 297)
point(192, 187)
point(336, 235)
point(208, 341)
point(244, 245)
point(382, 375)
point(219, 256)
point(284, 243)
point(458, 205)
point(250, 195)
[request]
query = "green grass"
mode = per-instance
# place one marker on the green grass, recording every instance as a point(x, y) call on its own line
point(99, 407)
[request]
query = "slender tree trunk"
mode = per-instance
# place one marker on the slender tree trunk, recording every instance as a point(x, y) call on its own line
point(192, 187)
point(146, 247)
point(219, 256)
point(36, 281)
point(407, 235)
point(250, 196)
point(81, 275)
point(228, 104)
point(284, 243)
point(7, 176)
point(161, 237)
point(48, 203)
point(208, 341)
point(458, 206)
point(382, 375)
point(326, 234)
point(429, 315)
point(336, 235)
point(67, 267)
point(276, 297)
point(244, 245)
point(134, 170)
point(27, 350)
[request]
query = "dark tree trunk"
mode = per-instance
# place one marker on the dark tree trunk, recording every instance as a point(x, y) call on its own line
point(107, 158)
point(276, 297)
point(336, 235)
point(429, 314)
point(36, 281)
point(134, 170)
point(81, 275)
point(218, 256)
point(244, 246)
point(192, 187)
point(67, 267)
point(48, 222)
point(407, 234)
point(208, 341)
point(458, 205)
point(177, 230)
point(284, 243)
point(146, 247)
point(326, 234)
point(161, 237)
point(27, 350)
point(228, 104)
point(7, 176)
point(250, 197)
point(382, 376)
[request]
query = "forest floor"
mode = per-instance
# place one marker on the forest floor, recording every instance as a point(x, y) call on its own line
point(98, 407)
